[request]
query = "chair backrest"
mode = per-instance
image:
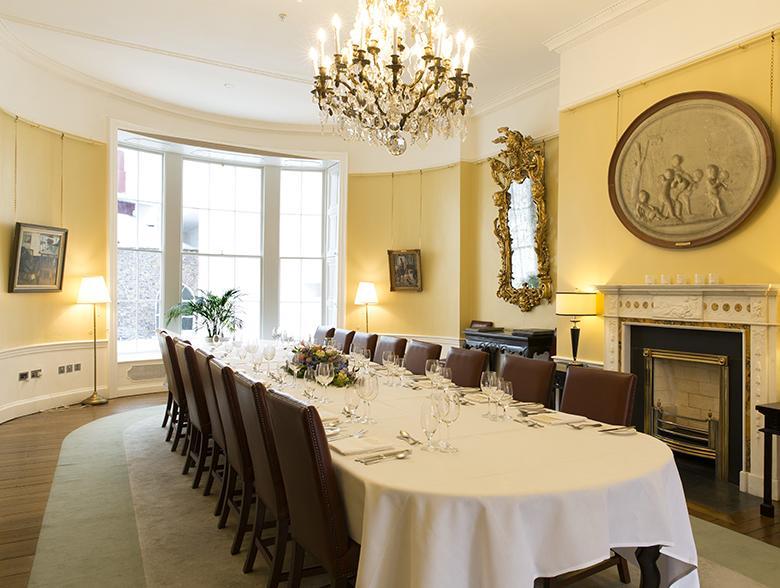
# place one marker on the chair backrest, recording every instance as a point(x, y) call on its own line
point(386, 343)
point(601, 395)
point(365, 341)
point(172, 371)
point(235, 436)
point(342, 339)
point(532, 379)
point(417, 353)
point(217, 431)
point(316, 505)
point(193, 386)
point(253, 407)
point(467, 366)
point(321, 333)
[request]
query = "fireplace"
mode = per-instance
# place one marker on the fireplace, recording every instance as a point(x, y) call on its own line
point(708, 354)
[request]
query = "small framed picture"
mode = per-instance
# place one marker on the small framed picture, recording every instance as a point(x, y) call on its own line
point(405, 270)
point(37, 258)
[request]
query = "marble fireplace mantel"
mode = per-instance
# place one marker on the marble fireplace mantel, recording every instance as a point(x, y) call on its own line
point(750, 309)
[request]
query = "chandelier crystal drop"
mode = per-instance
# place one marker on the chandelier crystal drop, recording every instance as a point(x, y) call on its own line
point(398, 78)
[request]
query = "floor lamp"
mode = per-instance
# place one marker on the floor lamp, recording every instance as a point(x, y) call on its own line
point(575, 305)
point(93, 291)
point(366, 294)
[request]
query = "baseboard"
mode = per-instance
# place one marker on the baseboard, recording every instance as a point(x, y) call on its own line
point(754, 484)
point(27, 406)
point(445, 342)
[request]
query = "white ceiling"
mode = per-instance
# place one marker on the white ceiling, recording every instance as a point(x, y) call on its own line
point(238, 58)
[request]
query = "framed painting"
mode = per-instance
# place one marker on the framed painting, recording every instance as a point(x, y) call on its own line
point(691, 169)
point(405, 270)
point(37, 258)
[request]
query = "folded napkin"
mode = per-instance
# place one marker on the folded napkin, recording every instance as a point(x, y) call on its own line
point(422, 385)
point(329, 418)
point(358, 445)
point(557, 418)
point(468, 390)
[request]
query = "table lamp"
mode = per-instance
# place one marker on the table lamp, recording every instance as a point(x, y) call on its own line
point(93, 291)
point(575, 305)
point(366, 294)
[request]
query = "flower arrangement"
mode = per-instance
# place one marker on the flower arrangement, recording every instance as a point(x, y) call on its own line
point(307, 355)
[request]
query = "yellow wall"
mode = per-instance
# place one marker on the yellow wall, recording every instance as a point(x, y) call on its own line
point(417, 210)
point(33, 189)
point(594, 247)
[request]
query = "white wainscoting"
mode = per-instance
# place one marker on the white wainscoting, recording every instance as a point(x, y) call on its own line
point(52, 390)
point(445, 342)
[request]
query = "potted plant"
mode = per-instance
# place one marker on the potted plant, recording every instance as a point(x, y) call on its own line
point(217, 313)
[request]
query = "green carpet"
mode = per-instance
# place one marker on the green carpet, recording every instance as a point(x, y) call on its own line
point(121, 514)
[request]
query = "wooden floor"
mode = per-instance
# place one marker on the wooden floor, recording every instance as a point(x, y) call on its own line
point(29, 449)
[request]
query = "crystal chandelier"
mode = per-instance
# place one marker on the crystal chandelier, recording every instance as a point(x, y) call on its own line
point(399, 78)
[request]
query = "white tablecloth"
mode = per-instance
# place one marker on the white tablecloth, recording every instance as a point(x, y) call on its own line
point(514, 504)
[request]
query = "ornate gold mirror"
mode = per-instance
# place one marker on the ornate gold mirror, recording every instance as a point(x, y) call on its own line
point(521, 226)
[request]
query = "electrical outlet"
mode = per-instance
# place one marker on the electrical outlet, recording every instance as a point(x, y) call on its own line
point(36, 373)
point(69, 368)
point(76, 367)
point(61, 370)
point(24, 376)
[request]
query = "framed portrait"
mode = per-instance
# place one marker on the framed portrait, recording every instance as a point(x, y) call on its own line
point(405, 270)
point(37, 258)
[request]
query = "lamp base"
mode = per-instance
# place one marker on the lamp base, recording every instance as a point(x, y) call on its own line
point(94, 400)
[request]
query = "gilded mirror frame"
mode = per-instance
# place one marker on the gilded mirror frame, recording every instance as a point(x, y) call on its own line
point(520, 158)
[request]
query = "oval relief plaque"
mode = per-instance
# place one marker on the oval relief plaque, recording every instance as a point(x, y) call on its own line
point(690, 169)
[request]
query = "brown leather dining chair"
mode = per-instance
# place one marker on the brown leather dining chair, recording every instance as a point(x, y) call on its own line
point(363, 340)
point(199, 431)
point(417, 353)
point(161, 333)
point(271, 502)
point(321, 333)
point(342, 339)
point(177, 424)
point(467, 366)
point(218, 461)
point(317, 514)
point(532, 379)
point(600, 395)
point(395, 344)
point(239, 462)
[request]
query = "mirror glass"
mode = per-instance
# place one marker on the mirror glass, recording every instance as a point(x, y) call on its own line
point(522, 231)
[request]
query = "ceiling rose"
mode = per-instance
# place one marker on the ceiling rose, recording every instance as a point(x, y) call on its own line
point(397, 78)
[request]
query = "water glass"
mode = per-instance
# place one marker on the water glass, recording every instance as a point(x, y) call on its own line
point(445, 377)
point(486, 383)
point(351, 403)
point(324, 375)
point(429, 421)
point(269, 352)
point(506, 396)
point(448, 410)
point(310, 383)
point(368, 389)
point(431, 368)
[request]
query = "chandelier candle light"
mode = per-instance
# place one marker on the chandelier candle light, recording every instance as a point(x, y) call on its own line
point(398, 79)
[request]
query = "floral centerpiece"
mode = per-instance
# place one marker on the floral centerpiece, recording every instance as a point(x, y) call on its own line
point(308, 355)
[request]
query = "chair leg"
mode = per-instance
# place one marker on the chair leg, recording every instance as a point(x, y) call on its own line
point(296, 572)
point(229, 489)
point(190, 440)
point(167, 410)
point(214, 462)
point(243, 517)
point(187, 438)
point(180, 422)
point(282, 536)
point(257, 537)
point(222, 490)
point(203, 451)
point(623, 573)
point(173, 421)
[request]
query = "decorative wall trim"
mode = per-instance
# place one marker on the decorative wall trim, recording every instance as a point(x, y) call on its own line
point(445, 342)
point(517, 93)
point(50, 347)
point(608, 16)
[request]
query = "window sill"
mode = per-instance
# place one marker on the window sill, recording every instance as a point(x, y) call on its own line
point(140, 357)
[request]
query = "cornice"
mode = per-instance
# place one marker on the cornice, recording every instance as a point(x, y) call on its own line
point(536, 85)
point(586, 28)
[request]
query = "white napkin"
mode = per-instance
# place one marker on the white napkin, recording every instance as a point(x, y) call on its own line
point(329, 418)
point(557, 418)
point(357, 445)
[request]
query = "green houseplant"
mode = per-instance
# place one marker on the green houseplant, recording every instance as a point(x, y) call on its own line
point(217, 313)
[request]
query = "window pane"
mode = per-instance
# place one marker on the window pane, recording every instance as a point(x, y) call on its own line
point(311, 193)
point(311, 233)
point(222, 226)
point(150, 177)
point(149, 226)
point(195, 184)
point(311, 280)
point(289, 280)
point(289, 236)
point(222, 187)
point(127, 223)
point(290, 192)
point(248, 234)
point(248, 278)
point(249, 189)
point(127, 180)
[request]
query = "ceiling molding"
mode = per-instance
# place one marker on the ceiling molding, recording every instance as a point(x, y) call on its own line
point(60, 70)
point(604, 18)
point(537, 84)
point(155, 50)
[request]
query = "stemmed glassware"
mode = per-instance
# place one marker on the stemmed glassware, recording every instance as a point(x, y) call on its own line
point(269, 352)
point(388, 360)
point(505, 398)
point(324, 375)
point(444, 377)
point(487, 383)
point(367, 389)
point(310, 383)
point(429, 421)
point(351, 404)
point(431, 369)
point(448, 411)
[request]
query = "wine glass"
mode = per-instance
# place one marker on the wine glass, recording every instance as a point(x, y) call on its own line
point(367, 389)
point(445, 377)
point(269, 352)
point(429, 421)
point(448, 409)
point(486, 383)
point(325, 375)
point(431, 367)
point(351, 404)
point(505, 398)
point(310, 383)
point(328, 342)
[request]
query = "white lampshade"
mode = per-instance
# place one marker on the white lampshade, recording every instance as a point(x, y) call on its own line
point(366, 293)
point(575, 303)
point(93, 290)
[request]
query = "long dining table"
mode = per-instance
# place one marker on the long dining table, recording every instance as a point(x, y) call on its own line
point(514, 504)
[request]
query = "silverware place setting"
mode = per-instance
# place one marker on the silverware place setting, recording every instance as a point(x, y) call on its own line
point(387, 456)
point(618, 429)
point(529, 422)
point(405, 436)
point(356, 434)
point(580, 426)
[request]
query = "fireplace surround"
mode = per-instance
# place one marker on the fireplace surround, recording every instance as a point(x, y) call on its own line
point(744, 314)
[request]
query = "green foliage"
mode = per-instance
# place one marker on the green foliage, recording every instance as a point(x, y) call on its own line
point(217, 313)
